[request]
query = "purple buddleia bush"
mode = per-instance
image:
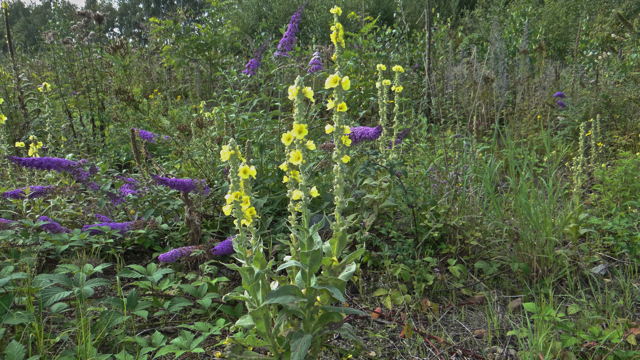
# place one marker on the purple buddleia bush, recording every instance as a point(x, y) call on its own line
point(149, 136)
point(364, 133)
point(52, 227)
point(224, 248)
point(176, 254)
point(121, 227)
point(183, 185)
point(37, 191)
point(74, 168)
point(288, 40)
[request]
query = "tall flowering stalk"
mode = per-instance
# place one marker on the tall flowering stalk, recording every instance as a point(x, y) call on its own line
point(383, 102)
point(298, 148)
point(240, 202)
point(253, 64)
point(340, 129)
point(397, 89)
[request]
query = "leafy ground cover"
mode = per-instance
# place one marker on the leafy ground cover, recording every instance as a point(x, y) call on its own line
point(355, 186)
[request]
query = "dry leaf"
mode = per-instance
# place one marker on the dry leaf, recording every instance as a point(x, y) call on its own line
point(403, 316)
point(515, 304)
point(425, 304)
point(478, 299)
point(481, 333)
point(374, 315)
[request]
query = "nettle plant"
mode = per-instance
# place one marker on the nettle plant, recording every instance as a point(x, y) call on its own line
point(293, 309)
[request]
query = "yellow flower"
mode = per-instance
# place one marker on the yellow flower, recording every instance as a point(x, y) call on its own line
point(283, 166)
point(287, 138)
point(332, 81)
point(225, 154)
point(245, 172)
point(246, 202)
point(39, 145)
point(386, 82)
point(328, 129)
point(398, 68)
point(588, 134)
point(227, 209)
point(44, 87)
point(295, 157)
point(300, 131)
point(285, 179)
point(237, 195)
point(32, 137)
point(1, 101)
point(397, 89)
point(218, 354)
point(253, 172)
point(346, 158)
point(342, 107)
point(381, 67)
point(179, 97)
point(346, 140)
point(295, 174)
point(250, 213)
point(150, 96)
point(297, 195)
point(346, 83)
point(330, 104)
point(346, 129)
point(336, 10)
point(2, 118)
point(293, 92)
point(19, 144)
point(308, 93)
point(314, 192)
point(311, 145)
point(228, 198)
point(600, 144)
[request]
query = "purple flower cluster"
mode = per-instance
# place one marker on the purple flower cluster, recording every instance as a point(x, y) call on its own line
point(74, 168)
point(122, 227)
point(401, 136)
point(224, 248)
point(364, 133)
point(184, 185)
point(52, 226)
point(253, 64)
point(37, 191)
point(289, 38)
point(129, 188)
point(315, 64)
point(7, 224)
point(149, 136)
point(102, 218)
point(560, 95)
point(176, 254)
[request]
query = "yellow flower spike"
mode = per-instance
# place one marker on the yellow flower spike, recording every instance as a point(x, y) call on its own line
point(346, 159)
point(332, 81)
point(314, 192)
point(244, 171)
point(397, 68)
point(311, 145)
point(308, 93)
point(300, 131)
point(295, 174)
point(285, 179)
point(346, 83)
point(329, 129)
point(346, 140)
point(342, 107)
point(19, 144)
point(246, 202)
point(336, 10)
point(386, 82)
point(293, 92)
point(224, 153)
point(227, 209)
point(381, 67)
point(330, 104)
point(297, 195)
point(287, 138)
point(283, 166)
point(295, 157)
